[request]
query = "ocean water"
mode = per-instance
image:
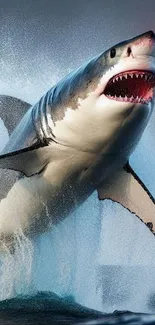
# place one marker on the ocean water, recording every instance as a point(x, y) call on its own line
point(47, 308)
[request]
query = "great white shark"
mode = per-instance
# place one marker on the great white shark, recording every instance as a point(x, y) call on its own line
point(78, 139)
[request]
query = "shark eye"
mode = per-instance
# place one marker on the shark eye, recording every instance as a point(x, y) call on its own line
point(112, 53)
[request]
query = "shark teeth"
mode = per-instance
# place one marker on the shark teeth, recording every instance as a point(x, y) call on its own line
point(142, 75)
point(145, 76)
point(131, 99)
point(131, 86)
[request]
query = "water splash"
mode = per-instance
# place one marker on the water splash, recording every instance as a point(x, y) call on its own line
point(15, 269)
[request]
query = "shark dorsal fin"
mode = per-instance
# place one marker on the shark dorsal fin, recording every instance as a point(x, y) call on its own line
point(11, 111)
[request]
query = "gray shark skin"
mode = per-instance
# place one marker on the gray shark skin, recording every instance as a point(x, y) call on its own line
point(78, 138)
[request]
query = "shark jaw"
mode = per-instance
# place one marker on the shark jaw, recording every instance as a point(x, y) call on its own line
point(134, 86)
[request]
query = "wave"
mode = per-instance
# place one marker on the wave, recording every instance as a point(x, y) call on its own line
point(44, 308)
point(51, 309)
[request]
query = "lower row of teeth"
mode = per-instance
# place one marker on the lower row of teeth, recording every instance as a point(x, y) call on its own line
point(130, 99)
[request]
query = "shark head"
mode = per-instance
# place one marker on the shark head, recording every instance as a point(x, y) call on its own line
point(129, 72)
point(126, 89)
point(112, 97)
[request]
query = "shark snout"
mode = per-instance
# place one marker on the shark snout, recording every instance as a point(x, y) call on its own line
point(145, 40)
point(143, 44)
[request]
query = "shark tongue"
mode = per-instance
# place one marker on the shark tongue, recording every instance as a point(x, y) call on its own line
point(131, 86)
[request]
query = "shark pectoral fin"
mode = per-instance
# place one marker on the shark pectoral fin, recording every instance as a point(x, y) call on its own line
point(29, 161)
point(11, 111)
point(128, 190)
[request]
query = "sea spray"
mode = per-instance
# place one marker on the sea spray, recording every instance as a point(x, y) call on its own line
point(65, 259)
point(15, 268)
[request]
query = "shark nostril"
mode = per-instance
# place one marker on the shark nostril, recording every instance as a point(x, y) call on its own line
point(129, 51)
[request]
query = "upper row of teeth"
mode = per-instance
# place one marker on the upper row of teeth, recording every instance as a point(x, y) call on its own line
point(137, 75)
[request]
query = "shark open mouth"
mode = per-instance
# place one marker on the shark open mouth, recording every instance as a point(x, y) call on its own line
point(134, 86)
